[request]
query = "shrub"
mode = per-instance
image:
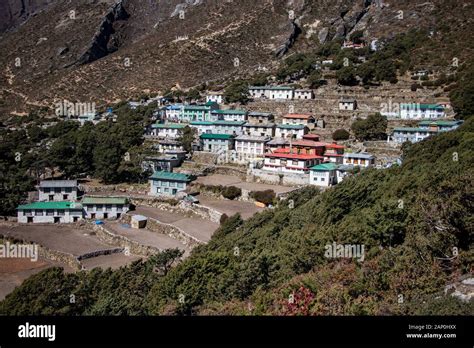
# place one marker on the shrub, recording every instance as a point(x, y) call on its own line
point(231, 192)
point(266, 197)
point(340, 134)
point(223, 219)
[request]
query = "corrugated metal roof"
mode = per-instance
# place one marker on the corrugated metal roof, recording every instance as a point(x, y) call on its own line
point(359, 155)
point(104, 200)
point(51, 205)
point(58, 183)
point(216, 136)
point(170, 176)
point(323, 167)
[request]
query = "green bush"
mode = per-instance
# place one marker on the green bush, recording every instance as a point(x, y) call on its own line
point(231, 192)
point(266, 197)
point(340, 134)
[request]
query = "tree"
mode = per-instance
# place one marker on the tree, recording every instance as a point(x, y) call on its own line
point(462, 95)
point(315, 79)
point(231, 192)
point(163, 261)
point(266, 197)
point(357, 37)
point(346, 76)
point(340, 134)
point(372, 128)
point(193, 94)
point(237, 92)
point(186, 137)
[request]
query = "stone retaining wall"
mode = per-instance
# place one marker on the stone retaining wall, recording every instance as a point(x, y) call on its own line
point(133, 246)
point(258, 175)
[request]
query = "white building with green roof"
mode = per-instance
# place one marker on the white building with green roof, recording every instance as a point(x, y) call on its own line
point(167, 183)
point(217, 143)
point(417, 111)
point(272, 92)
point(324, 174)
point(167, 130)
point(105, 207)
point(423, 131)
point(228, 127)
point(296, 131)
point(201, 112)
point(229, 115)
point(50, 212)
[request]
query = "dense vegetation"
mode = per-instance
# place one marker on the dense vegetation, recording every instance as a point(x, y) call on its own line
point(108, 151)
point(415, 222)
point(374, 127)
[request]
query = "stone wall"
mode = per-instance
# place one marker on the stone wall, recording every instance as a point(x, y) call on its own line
point(50, 254)
point(133, 246)
point(262, 176)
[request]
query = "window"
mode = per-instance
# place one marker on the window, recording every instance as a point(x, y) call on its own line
point(68, 189)
point(167, 190)
point(295, 163)
point(272, 160)
point(38, 212)
point(61, 212)
point(57, 190)
point(46, 190)
point(172, 184)
point(99, 207)
point(322, 179)
point(180, 185)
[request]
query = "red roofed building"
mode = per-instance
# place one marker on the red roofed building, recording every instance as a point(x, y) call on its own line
point(313, 137)
point(302, 119)
point(281, 161)
point(334, 153)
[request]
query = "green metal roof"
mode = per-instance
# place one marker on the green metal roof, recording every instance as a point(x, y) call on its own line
point(50, 205)
point(439, 123)
point(201, 123)
point(168, 125)
point(416, 106)
point(229, 123)
point(290, 126)
point(217, 136)
point(230, 112)
point(324, 167)
point(170, 176)
point(413, 130)
point(104, 200)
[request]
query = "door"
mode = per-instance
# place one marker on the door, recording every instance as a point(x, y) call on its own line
point(93, 216)
point(29, 219)
point(174, 191)
point(75, 219)
point(51, 197)
point(56, 219)
point(106, 215)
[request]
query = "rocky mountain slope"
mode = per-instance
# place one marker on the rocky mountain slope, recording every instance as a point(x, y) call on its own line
point(103, 50)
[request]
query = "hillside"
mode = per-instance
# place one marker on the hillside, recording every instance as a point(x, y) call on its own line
point(104, 51)
point(414, 221)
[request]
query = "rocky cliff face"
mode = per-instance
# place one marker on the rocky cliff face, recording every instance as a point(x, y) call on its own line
point(15, 12)
point(106, 50)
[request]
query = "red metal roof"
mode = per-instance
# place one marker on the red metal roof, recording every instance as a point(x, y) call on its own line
point(293, 156)
point(314, 137)
point(308, 143)
point(334, 146)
